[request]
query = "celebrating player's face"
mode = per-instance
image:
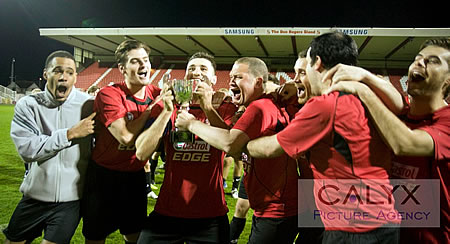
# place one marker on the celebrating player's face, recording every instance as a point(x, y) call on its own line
point(242, 84)
point(61, 76)
point(202, 69)
point(429, 71)
point(312, 79)
point(137, 68)
point(299, 79)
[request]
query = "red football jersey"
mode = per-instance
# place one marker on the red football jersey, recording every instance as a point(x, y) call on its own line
point(437, 167)
point(111, 103)
point(342, 144)
point(271, 184)
point(192, 186)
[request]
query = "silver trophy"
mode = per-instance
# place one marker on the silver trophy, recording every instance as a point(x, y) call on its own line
point(183, 90)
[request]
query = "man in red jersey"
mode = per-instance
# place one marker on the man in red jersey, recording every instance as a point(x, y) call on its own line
point(271, 184)
point(115, 194)
point(334, 134)
point(191, 205)
point(421, 142)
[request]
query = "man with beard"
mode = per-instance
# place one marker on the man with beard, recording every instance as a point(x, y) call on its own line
point(50, 130)
point(333, 132)
point(271, 185)
point(191, 205)
point(420, 139)
point(115, 193)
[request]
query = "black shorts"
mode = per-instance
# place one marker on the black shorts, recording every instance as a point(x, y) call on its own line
point(113, 200)
point(161, 229)
point(273, 230)
point(382, 235)
point(58, 220)
point(242, 192)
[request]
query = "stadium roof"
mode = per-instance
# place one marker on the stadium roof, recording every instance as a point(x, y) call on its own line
point(378, 47)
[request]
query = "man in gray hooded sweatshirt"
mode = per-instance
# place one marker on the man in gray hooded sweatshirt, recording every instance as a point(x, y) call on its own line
point(50, 130)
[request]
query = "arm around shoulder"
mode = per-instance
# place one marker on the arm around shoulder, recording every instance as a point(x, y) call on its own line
point(265, 147)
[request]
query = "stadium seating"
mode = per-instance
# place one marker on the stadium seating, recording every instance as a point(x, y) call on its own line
point(92, 74)
point(89, 75)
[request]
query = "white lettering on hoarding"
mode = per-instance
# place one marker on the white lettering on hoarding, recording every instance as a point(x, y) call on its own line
point(239, 31)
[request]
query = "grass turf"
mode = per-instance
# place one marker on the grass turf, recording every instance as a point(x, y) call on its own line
point(11, 175)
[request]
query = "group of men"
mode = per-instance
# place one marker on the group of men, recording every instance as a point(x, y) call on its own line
point(346, 129)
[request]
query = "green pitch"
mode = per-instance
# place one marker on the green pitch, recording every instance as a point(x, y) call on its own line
point(11, 175)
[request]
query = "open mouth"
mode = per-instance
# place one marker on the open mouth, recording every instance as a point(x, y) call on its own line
point(142, 74)
point(300, 90)
point(61, 91)
point(416, 76)
point(236, 93)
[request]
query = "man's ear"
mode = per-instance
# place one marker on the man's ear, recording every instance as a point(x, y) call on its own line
point(259, 82)
point(44, 74)
point(318, 66)
point(121, 68)
point(446, 87)
point(214, 80)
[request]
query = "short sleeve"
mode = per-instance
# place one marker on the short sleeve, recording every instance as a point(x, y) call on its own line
point(251, 122)
point(440, 132)
point(108, 105)
point(311, 124)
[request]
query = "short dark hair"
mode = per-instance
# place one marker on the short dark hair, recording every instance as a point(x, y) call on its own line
point(334, 48)
point(273, 78)
point(206, 56)
point(122, 50)
point(440, 42)
point(58, 54)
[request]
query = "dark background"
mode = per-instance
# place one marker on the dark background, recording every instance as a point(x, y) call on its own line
point(20, 20)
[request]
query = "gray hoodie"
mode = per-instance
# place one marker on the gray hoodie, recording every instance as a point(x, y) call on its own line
point(39, 131)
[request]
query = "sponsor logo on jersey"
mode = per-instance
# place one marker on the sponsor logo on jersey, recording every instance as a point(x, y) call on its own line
point(191, 157)
point(122, 147)
point(197, 146)
point(404, 171)
point(191, 152)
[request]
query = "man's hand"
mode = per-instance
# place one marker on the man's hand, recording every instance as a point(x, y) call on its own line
point(203, 94)
point(183, 120)
point(83, 128)
point(285, 94)
point(167, 97)
point(342, 72)
point(218, 98)
point(353, 87)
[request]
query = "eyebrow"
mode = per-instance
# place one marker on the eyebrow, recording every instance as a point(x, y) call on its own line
point(61, 67)
point(201, 65)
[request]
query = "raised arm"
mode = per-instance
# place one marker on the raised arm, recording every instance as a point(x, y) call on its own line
point(147, 142)
point(401, 139)
point(381, 87)
point(126, 132)
point(230, 141)
point(204, 94)
point(265, 147)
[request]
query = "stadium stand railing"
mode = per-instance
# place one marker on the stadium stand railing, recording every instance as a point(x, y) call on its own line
point(8, 96)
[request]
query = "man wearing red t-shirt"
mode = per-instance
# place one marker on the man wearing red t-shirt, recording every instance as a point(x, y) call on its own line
point(421, 142)
point(271, 184)
point(334, 134)
point(115, 194)
point(191, 205)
